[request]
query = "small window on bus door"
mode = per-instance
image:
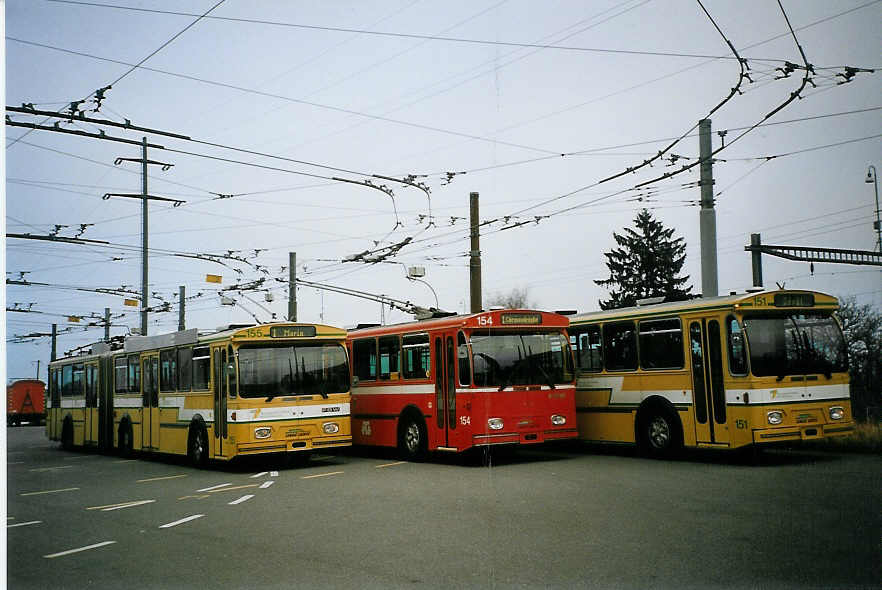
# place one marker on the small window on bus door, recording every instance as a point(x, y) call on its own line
point(201, 368)
point(364, 359)
point(416, 357)
point(661, 344)
point(390, 352)
point(587, 347)
point(168, 370)
point(737, 350)
point(185, 368)
point(620, 346)
point(465, 364)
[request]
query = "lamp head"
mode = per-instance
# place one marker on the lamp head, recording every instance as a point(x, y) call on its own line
point(871, 177)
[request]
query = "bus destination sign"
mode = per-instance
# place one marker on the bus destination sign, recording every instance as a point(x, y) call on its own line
point(292, 331)
point(521, 319)
point(794, 300)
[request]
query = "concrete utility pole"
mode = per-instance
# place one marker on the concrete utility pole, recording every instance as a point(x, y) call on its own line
point(107, 324)
point(52, 353)
point(475, 255)
point(871, 177)
point(182, 291)
point(292, 286)
point(756, 257)
point(707, 216)
point(144, 193)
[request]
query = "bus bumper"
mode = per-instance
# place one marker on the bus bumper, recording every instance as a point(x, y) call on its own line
point(800, 433)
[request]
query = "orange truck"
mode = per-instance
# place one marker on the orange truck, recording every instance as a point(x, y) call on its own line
point(25, 402)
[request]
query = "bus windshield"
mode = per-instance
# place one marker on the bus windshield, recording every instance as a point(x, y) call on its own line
point(521, 358)
point(795, 344)
point(299, 370)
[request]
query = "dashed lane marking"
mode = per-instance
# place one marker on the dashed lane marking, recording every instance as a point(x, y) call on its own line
point(81, 457)
point(197, 497)
point(168, 525)
point(266, 484)
point(39, 469)
point(15, 462)
point(77, 550)
point(250, 485)
point(212, 488)
point(261, 474)
point(321, 475)
point(244, 498)
point(126, 461)
point(274, 474)
point(161, 478)
point(121, 505)
point(390, 464)
point(49, 492)
point(12, 526)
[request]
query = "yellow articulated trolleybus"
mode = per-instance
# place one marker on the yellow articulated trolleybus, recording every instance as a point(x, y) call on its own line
point(722, 372)
point(243, 390)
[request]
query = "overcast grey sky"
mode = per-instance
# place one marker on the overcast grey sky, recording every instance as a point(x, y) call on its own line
point(532, 100)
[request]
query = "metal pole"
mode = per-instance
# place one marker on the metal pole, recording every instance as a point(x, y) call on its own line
point(878, 224)
point(182, 291)
point(756, 257)
point(52, 354)
point(107, 324)
point(707, 216)
point(292, 286)
point(475, 255)
point(144, 299)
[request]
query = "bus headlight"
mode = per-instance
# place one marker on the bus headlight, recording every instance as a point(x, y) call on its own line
point(495, 423)
point(558, 420)
point(775, 417)
point(263, 432)
point(837, 413)
point(330, 428)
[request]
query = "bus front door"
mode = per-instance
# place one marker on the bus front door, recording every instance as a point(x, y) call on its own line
point(220, 401)
point(708, 389)
point(150, 402)
point(90, 425)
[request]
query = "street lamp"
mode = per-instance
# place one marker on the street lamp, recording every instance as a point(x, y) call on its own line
point(871, 177)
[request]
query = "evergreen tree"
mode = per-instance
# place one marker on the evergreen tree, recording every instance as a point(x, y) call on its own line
point(645, 264)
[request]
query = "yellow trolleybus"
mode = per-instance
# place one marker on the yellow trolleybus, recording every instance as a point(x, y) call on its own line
point(722, 372)
point(242, 390)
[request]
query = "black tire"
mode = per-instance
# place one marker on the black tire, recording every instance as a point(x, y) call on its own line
point(412, 438)
point(67, 435)
point(125, 440)
point(660, 434)
point(197, 446)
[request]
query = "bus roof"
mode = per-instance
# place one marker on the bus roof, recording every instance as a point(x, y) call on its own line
point(767, 300)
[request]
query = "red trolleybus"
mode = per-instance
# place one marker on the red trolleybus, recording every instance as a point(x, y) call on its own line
point(449, 384)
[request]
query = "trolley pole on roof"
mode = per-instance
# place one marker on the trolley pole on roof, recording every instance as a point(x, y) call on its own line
point(475, 255)
point(707, 216)
point(292, 286)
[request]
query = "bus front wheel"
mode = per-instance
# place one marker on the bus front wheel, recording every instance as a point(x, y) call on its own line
point(125, 440)
point(660, 434)
point(197, 446)
point(67, 435)
point(412, 442)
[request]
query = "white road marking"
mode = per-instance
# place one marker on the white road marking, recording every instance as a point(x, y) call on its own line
point(220, 485)
point(51, 468)
point(161, 478)
point(321, 475)
point(126, 461)
point(15, 462)
point(81, 457)
point(120, 506)
point(274, 474)
point(266, 484)
point(48, 492)
point(250, 485)
point(182, 521)
point(256, 475)
point(390, 464)
point(12, 526)
point(240, 500)
point(68, 552)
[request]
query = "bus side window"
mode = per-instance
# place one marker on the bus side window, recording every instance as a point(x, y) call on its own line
point(417, 358)
point(620, 346)
point(465, 365)
point(185, 368)
point(364, 359)
point(390, 352)
point(201, 368)
point(737, 351)
point(66, 381)
point(168, 370)
point(587, 348)
point(661, 344)
point(78, 380)
point(134, 374)
point(120, 374)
